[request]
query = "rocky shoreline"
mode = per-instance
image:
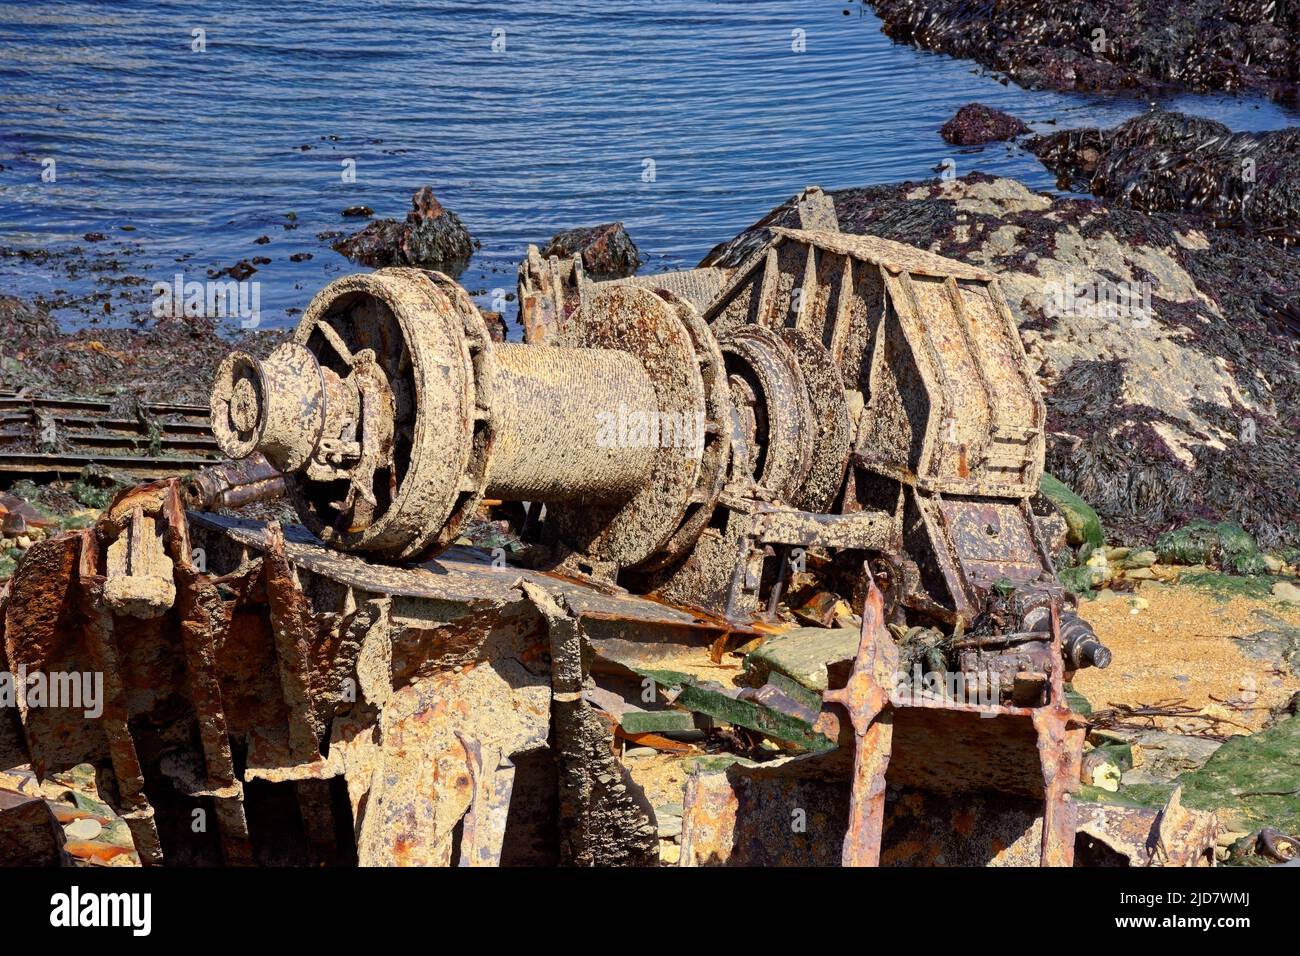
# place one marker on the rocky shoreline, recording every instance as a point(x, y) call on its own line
point(1167, 348)
point(169, 360)
point(1165, 161)
point(1138, 45)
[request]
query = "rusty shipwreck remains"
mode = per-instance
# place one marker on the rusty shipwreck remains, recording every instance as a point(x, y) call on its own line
point(843, 416)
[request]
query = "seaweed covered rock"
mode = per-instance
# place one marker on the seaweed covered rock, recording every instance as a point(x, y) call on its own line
point(975, 124)
point(607, 251)
point(1169, 161)
point(1172, 384)
point(1223, 545)
point(1249, 782)
point(431, 235)
point(1104, 45)
point(171, 359)
point(1080, 518)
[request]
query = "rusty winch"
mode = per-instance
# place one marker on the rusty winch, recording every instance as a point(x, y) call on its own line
point(675, 450)
point(839, 392)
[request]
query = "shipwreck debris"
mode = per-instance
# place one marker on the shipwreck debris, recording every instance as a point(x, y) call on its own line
point(43, 437)
point(840, 423)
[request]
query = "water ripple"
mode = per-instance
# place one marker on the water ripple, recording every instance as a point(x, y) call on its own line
point(202, 151)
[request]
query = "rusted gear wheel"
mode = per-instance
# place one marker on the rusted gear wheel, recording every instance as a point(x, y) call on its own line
point(831, 427)
point(774, 416)
point(716, 437)
point(429, 339)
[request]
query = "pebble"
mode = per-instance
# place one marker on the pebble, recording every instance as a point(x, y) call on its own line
point(670, 827)
point(83, 829)
point(1286, 591)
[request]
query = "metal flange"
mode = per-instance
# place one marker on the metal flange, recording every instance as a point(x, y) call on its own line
point(423, 332)
point(774, 416)
point(832, 431)
point(716, 453)
point(276, 405)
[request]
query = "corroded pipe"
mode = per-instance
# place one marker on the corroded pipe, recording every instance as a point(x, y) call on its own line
point(234, 483)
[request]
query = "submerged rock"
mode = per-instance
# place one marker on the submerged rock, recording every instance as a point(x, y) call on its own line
point(975, 124)
point(1181, 400)
point(431, 235)
point(1103, 45)
point(607, 251)
point(1170, 161)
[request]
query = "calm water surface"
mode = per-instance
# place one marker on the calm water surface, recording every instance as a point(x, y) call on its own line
point(182, 159)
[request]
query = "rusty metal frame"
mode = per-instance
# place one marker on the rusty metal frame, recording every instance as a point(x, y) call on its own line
point(1059, 741)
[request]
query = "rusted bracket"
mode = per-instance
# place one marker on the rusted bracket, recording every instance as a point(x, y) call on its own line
point(139, 575)
point(205, 619)
point(865, 697)
point(604, 816)
point(1060, 751)
point(292, 625)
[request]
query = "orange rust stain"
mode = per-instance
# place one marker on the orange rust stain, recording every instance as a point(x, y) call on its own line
point(84, 850)
point(66, 814)
point(402, 848)
point(902, 852)
point(963, 822)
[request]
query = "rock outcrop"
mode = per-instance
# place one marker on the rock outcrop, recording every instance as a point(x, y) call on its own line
point(976, 124)
point(607, 251)
point(1170, 161)
point(1105, 45)
point(431, 235)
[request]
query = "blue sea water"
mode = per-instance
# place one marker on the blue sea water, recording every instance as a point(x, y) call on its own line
point(525, 118)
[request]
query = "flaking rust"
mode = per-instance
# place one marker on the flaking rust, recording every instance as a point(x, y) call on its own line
point(844, 420)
